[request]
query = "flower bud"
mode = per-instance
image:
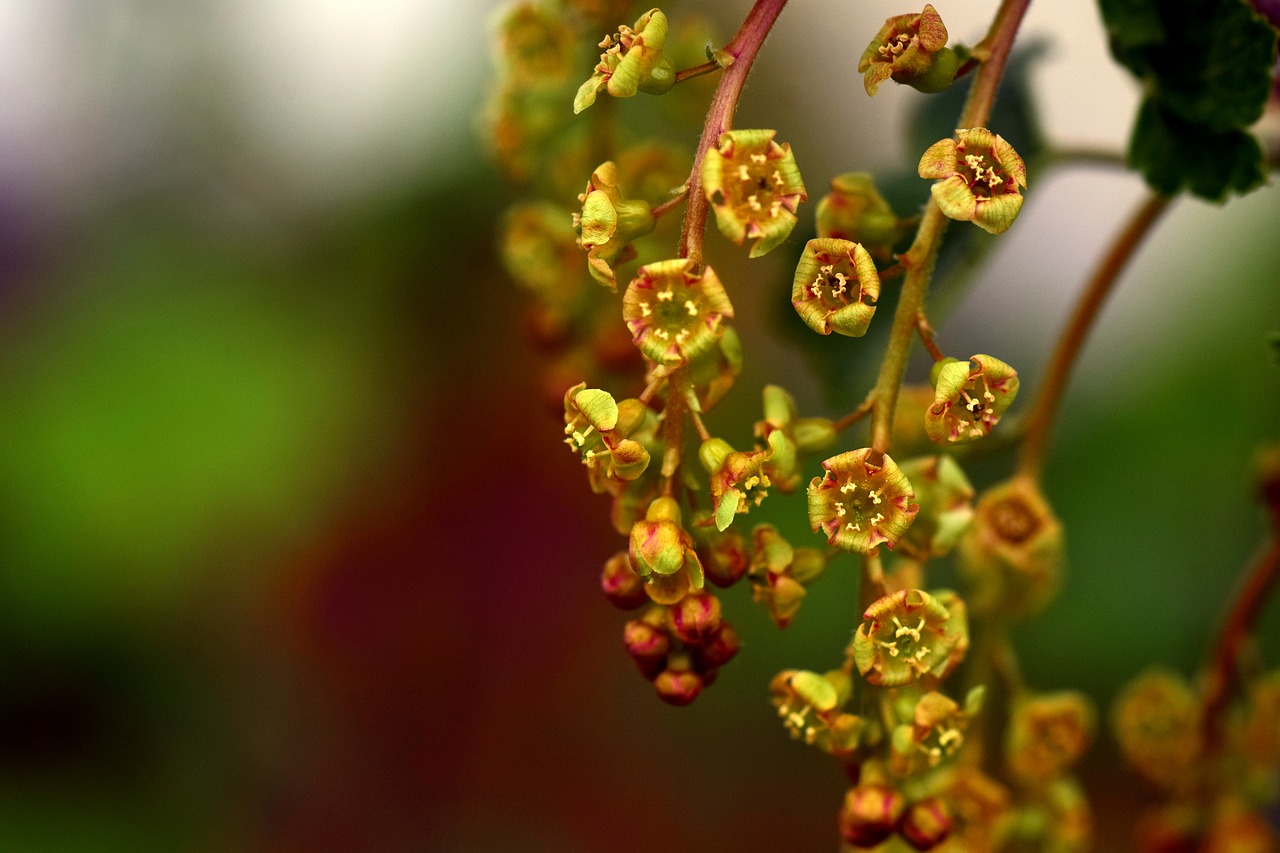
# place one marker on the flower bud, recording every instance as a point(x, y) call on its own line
point(696, 618)
point(835, 287)
point(658, 543)
point(927, 823)
point(718, 649)
point(629, 459)
point(854, 210)
point(723, 554)
point(675, 314)
point(632, 61)
point(910, 49)
point(754, 186)
point(904, 635)
point(648, 645)
point(813, 435)
point(979, 177)
point(620, 583)
point(869, 814)
point(678, 684)
point(608, 223)
point(860, 504)
point(969, 398)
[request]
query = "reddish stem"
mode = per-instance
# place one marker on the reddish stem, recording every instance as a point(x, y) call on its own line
point(742, 51)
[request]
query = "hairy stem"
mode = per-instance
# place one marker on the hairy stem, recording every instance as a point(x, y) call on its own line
point(742, 53)
point(1040, 419)
point(919, 260)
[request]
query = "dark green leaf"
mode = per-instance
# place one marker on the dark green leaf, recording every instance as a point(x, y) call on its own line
point(1174, 155)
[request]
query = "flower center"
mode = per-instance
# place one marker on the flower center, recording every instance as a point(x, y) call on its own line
point(860, 507)
point(839, 286)
point(894, 46)
point(674, 312)
point(760, 183)
point(1013, 521)
point(982, 177)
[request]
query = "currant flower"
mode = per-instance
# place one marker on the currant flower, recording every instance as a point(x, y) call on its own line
point(811, 707)
point(787, 436)
point(979, 178)
point(632, 61)
point(903, 636)
point(1013, 552)
point(738, 479)
point(969, 398)
point(608, 223)
point(598, 428)
point(661, 552)
point(870, 814)
point(946, 504)
point(1156, 720)
point(534, 45)
point(860, 504)
point(754, 186)
point(927, 823)
point(835, 287)
point(539, 252)
point(1046, 735)
point(780, 573)
point(911, 49)
point(854, 210)
point(674, 312)
point(934, 732)
point(724, 553)
point(620, 583)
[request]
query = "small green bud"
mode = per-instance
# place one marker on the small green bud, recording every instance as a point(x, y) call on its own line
point(813, 435)
point(754, 186)
point(712, 454)
point(854, 210)
point(632, 61)
point(903, 636)
point(946, 504)
point(910, 49)
point(629, 459)
point(860, 504)
point(969, 398)
point(674, 313)
point(835, 287)
point(979, 177)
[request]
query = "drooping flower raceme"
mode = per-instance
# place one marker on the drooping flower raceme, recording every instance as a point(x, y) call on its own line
point(835, 287)
point(674, 311)
point(979, 178)
point(860, 504)
point(754, 186)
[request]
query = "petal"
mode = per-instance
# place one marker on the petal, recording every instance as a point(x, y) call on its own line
point(994, 215)
point(955, 199)
point(939, 161)
point(933, 33)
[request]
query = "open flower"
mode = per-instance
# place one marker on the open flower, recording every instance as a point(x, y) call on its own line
point(1046, 735)
point(754, 186)
point(811, 707)
point(1013, 552)
point(903, 636)
point(835, 287)
point(969, 398)
point(979, 178)
point(860, 504)
point(934, 733)
point(608, 223)
point(674, 312)
point(738, 479)
point(912, 50)
point(1156, 720)
point(632, 61)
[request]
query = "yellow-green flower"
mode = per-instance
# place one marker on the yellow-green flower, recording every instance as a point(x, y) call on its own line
point(911, 49)
point(608, 223)
point(632, 61)
point(860, 504)
point(675, 312)
point(754, 186)
point(979, 178)
point(835, 287)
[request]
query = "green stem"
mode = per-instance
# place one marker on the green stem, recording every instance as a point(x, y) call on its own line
point(1043, 410)
point(920, 259)
point(742, 51)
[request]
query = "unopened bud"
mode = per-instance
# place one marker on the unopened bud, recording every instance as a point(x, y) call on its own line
point(620, 583)
point(869, 814)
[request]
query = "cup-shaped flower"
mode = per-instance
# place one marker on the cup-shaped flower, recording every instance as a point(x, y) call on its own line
point(1046, 735)
point(1156, 720)
point(632, 61)
point(661, 551)
point(608, 223)
point(903, 636)
point(811, 707)
point(859, 503)
point(835, 287)
point(979, 178)
point(933, 733)
point(754, 186)
point(969, 398)
point(714, 372)
point(738, 479)
point(675, 313)
point(854, 210)
point(1012, 554)
point(910, 49)
point(596, 428)
point(946, 504)
point(780, 573)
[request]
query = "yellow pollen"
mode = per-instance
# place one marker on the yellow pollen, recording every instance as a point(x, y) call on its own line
point(875, 497)
point(751, 483)
point(892, 647)
point(645, 310)
point(743, 174)
point(777, 178)
point(691, 308)
point(877, 518)
point(758, 158)
point(661, 334)
point(848, 487)
point(854, 527)
point(753, 202)
point(665, 296)
point(950, 736)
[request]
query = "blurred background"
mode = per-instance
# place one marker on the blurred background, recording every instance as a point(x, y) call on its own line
point(291, 557)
